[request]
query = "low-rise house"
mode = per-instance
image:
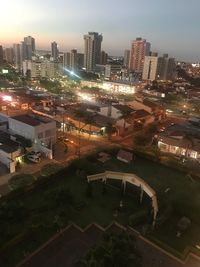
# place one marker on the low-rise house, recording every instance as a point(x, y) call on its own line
point(125, 156)
point(153, 108)
point(40, 130)
point(180, 145)
point(10, 152)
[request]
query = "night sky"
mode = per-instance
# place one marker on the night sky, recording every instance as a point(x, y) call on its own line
point(172, 26)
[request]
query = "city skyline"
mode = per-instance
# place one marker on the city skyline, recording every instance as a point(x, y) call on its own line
point(169, 26)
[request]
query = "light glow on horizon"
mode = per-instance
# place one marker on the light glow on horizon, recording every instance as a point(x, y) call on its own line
point(67, 21)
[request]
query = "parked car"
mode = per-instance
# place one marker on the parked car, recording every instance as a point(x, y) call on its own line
point(37, 153)
point(33, 158)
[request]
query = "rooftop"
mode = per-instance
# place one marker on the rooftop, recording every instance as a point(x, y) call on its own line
point(6, 144)
point(151, 104)
point(140, 113)
point(124, 108)
point(192, 143)
point(30, 119)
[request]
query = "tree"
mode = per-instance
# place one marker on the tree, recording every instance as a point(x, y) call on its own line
point(79, 113)
point(114, 250)
point(125, 114)
point(109, 130)
point(141, 140)
point(89, 191)
point(89, 119)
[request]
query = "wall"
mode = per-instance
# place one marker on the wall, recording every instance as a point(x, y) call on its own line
point(114, 113)
point(22, 129)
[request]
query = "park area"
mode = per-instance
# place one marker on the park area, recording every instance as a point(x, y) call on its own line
point(30, 216)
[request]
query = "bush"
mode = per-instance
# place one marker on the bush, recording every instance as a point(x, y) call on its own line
point(141, 140)
point(165, 215)
point(50, 169)
point(89, 191)
point(87, 166)
point(21, 181)
point(138, 218)
point(63, 197)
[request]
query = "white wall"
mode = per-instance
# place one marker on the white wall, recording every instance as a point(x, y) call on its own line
point(22, 129)
point(45, 132)
point(9, 159)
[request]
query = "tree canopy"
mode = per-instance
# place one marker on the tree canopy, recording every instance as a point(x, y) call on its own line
point(114, 250)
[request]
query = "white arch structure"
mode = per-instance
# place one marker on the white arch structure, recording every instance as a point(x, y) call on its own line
point(132, 179)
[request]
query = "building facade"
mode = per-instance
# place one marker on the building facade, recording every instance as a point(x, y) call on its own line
point(40, 69)
point(126, 58)
point(73, 59)
point(92, 50)
point(159, 68)
point(150, 68)
point(30, 41)
point(54, 51)
point(139, 49)
point(1, 55)
point(9, 55)
point(40, 130)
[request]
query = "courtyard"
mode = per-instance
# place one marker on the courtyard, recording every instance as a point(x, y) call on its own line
point(65, 197)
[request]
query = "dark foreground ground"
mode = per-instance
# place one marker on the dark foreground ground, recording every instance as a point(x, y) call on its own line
point(69, 246)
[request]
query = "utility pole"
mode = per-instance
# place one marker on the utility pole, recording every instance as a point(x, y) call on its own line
point(63, 122)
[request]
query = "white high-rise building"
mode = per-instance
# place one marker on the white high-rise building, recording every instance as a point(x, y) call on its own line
point(40, 69)
point(92, 50)
point(150, 68)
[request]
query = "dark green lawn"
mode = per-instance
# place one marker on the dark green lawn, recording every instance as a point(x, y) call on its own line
point(183, 199)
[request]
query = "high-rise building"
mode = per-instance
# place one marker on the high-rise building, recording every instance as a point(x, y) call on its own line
point(166, 68)
point(126, 58)
point(73, 59)
point(17, 56)
point(9, 55)
point(92, 50)
point(54, 51)
point(30, 42)
point(1, 55)
point(139, 49)
point(80, 61)
point(159, 68)
point(66, 61)
point(104, 58)
point(150, 68)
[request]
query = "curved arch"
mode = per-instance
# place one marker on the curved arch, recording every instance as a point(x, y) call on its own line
point(132, 179)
